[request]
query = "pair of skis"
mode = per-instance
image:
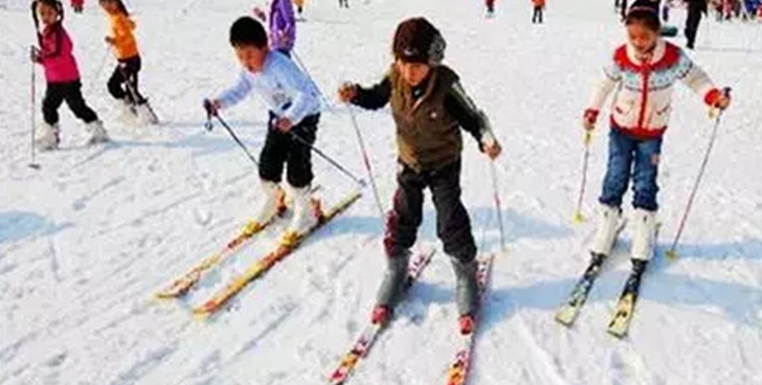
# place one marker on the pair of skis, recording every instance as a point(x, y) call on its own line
point(619, 323)
point(460, 365)
point(180, 286)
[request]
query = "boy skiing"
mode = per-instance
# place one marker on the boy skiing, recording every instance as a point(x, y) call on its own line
point(292, 127)
point(429, 106)
point(644, 70)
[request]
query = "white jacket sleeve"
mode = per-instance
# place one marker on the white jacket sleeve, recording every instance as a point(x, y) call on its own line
point(612, 76)
point(237, 92)
point(304, 97)
point(693, 76)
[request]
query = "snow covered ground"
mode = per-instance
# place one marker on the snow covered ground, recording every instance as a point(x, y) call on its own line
point(87, 239)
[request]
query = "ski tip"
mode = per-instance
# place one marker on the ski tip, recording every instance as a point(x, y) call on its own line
point(163, 296)
point(619, 334)
point(203, 312)
point(564, 318)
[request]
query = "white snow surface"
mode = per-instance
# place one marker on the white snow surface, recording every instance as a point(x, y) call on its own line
point(86, 240)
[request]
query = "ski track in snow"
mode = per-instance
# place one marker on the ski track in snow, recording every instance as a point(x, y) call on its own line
point(86, 240)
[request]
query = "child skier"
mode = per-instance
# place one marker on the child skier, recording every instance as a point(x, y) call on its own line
point(644, 71)
point(539, 6)
point(294, 115)
point(429, 105)
point(123, 84)
point(62, 75)
point(282, 25)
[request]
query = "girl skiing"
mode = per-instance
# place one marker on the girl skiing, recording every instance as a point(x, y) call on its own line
point(429, 105)
point(644, 70)
point(123, 84)
point(61, 74)
point(282, 25)
point(294, 115)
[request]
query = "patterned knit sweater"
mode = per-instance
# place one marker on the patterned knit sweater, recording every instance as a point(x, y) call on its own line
point(643, 100)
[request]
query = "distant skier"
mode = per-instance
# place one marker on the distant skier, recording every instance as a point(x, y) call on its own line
point(282, 25)
point(490, 7)
point(539, 6)
point(123, 83)
point(299, 6)
point(644, 71)
point(343, 3)
point(294, 112)
point(77, 5)
point(665, 10)
point(429, 106)
point(695, 9)
point(55, 54)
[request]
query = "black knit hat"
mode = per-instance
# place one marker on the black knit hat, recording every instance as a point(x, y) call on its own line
point(418, 41)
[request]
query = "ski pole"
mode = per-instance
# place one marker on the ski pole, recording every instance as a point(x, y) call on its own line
point(328, 158)
point(312, 80)
point(496, 194)
point(672, 253)
point(578, 218)
point(98, 70)
point(208, 125)
point(33, 99)
point(367, 162)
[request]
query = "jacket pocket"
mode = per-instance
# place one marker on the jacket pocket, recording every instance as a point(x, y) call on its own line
point(625, 109)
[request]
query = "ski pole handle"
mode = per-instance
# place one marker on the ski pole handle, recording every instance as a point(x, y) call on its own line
point(588, 137)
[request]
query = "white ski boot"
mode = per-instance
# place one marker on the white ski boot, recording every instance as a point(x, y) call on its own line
point(644, 234)
point(610, 223)
point(125, 111)
point(47, 137)
point(306, 214)
point(272, 205)
point(97, 132)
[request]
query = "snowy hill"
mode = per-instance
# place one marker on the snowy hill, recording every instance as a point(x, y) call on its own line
point(86, 240)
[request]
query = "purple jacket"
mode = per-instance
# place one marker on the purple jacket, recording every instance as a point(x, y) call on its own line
point(282, 25)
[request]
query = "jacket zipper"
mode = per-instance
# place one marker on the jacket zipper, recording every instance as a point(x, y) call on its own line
point(644, 95)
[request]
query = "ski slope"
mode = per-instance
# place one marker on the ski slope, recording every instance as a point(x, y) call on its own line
point(86, 240)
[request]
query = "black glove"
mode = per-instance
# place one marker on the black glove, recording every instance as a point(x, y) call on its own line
point(211, 110)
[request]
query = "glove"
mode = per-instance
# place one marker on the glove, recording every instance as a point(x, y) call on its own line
point(589, 118)
point(35, 55)
point(347, 92)
point(718, 99)
point(212, 107)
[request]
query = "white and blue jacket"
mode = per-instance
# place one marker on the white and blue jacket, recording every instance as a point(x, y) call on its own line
point(286, 90)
